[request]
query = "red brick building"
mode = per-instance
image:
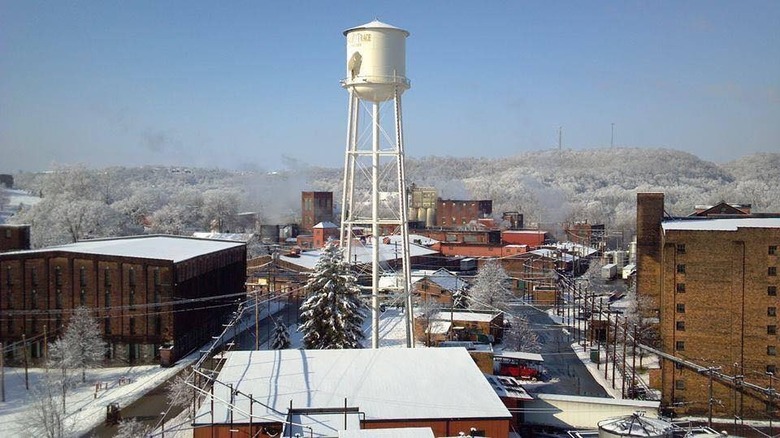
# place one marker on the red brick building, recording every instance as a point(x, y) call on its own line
point(713, 287)
point(152, 295)
point(14, 237)
point(458, 213)
point(316, 207)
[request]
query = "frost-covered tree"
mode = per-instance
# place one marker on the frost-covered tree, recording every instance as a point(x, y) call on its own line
point(331, 317)
point(490, 291)
point(520, 337)
point(132, 428)
point(220, 209)
point(180, 392)
point(460, 299)
point(81, 346)
point(426, 313)
point(281, 336)
point(46, 418)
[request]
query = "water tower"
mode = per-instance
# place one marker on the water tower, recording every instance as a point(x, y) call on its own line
point(374, 197)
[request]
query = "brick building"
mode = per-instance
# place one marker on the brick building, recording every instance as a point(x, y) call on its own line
point(154, 296)
point(713, 286)
point(14, 237)
point(316, 207)
point(458, 213)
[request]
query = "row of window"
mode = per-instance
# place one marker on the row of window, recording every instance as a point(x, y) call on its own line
point(82, 277)
point(770, 329)
point(770, 290)
point(681, 249)
point(82, 299)
point(35, 325)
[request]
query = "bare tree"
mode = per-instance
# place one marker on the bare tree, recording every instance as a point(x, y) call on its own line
point(45, 418)
point(520, 336)
point(427, 311)
point(81, 345)
point(181, 393)
point(132, 428)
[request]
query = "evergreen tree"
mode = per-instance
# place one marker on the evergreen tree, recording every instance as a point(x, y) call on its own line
point(489, 291)
point(281, 337)
point(331, 316)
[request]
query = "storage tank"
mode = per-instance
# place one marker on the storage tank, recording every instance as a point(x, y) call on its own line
point(430, 217)
point(412, 214)
point(635, 425)
point(376, 61)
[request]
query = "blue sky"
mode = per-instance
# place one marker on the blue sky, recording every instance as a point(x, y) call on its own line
point(255, 85)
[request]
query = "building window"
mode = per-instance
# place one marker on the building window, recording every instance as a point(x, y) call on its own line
point(34, 299)
point(156, 276)
point(771, 350)
point(58, 299)
point(57, 276)
point(679, 384)
point(83, 297)
point(34, 324)
point(681, 269)
point(107, 325)
point(771, 291)
point(10, 328)
point(680, 248)
point(157, 325)
point(680, 287)
point(678, 366)
point(772, 249)
point(771, 369)
point(10, 300)
point(680, 308)
point(771, 311)
point(8, 276)
point(107, 277)
point(132, 326)
point(772, 271)
point(83, 276)
point(771, 329)
point(131, 277)
point(680, 326)
point(34, 277)
point(107, 298)
point(679, 346)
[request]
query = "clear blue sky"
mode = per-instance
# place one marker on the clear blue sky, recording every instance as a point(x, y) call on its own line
point(256, 84)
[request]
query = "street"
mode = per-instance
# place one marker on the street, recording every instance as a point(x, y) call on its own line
point(568, 375)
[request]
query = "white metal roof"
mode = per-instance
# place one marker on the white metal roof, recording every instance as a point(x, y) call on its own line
point(376, 24)
point(521, 355)
point(406, 432)
point(238, 237)
point(463, 316)
point(391, 383)
point(173, 248)
point(360, 254)
point(730, 224)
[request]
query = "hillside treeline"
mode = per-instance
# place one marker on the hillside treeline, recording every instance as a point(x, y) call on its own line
point(548, 187)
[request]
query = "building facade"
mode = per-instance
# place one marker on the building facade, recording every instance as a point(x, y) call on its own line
point(713, 285)
point(14, 237)
point(316, 207)
point(456, 213)
point(155, 297)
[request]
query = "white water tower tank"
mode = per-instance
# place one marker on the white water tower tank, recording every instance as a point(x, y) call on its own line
point(376, 61)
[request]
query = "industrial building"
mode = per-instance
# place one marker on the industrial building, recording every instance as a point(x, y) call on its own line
point(316, 207)
point(712, 282)
point(322, 392)
point(155, 297)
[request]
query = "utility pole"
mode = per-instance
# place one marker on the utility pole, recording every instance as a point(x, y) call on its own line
point(2, 373)
point(24, 352)
point(625, 341)
point(771, 393)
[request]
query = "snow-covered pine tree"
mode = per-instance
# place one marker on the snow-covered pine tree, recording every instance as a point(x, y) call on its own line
point(331, 317)
point(281, 337)
point(489, 291)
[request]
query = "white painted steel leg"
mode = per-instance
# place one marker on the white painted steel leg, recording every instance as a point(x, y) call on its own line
point(375, 230)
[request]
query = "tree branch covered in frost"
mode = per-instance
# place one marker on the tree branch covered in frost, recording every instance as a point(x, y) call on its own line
point(490, 291)
point(520, 337)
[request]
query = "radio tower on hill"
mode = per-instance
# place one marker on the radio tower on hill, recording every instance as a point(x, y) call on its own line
point(374, 197)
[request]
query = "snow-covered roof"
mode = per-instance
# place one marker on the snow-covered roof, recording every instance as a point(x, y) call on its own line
point(553, 254)
point(444, 278)
point(173, 248)
point(367, 378)
point(376, 24)
point(521, 355)
point(574, 248)
point(508, 387)
point(360, 254)
point(406, 432)
point(326, 224)
point(463, 316)
point(731, 224)
point(531, 232)
point(413, 238)
point(237, 237)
